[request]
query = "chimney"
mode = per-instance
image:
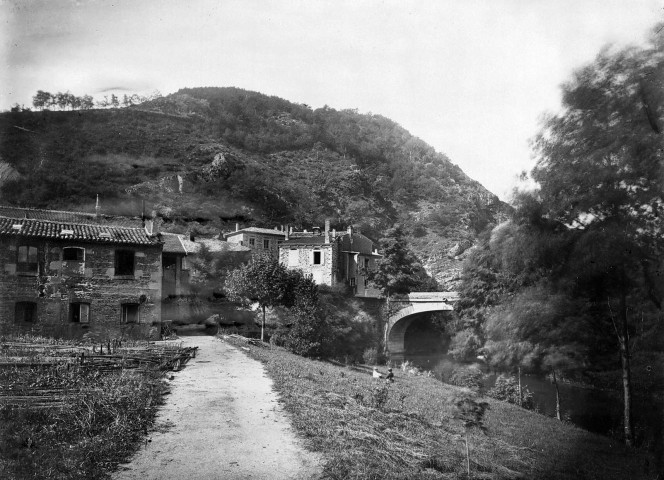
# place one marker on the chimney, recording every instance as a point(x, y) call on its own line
point(327, 231)
point(287, 232)
point(350, 229)
point(237, 227)
point(97, 207)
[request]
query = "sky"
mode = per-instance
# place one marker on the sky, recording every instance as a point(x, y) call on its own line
point(471, 78)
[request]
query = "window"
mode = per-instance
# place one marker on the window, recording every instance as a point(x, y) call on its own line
point(25, 312)
point(129, 313)
point(27, 259)
point(124, 262)
point(73, 254)
point(366, 264)
point(317, 257)
point(293, 257)
point(252, 242)
point(266, 244)
point(352, 281)
point(79, 312)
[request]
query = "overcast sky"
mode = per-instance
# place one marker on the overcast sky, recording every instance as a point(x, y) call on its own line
point(470, 78)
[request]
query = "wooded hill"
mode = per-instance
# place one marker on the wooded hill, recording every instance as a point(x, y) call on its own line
point(206, 158)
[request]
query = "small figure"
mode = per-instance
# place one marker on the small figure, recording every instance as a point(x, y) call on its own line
point(376, 374)
point(390, 376)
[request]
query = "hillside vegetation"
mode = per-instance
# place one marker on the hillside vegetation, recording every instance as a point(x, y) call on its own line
point(206, 158)
point(369, 429)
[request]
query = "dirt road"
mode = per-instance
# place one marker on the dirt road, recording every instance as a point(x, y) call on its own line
point(225, 423)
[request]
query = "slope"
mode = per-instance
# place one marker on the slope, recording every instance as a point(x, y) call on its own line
point(206, 158)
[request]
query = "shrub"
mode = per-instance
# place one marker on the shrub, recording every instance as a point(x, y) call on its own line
point(469, 377)
point(464, 345)
point(507, 389)
point(370, 356)
point(378, 396)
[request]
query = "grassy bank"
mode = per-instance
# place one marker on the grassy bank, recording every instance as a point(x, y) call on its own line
point(366, 428)
point(63, 420)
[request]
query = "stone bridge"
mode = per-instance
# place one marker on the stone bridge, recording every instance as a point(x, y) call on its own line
point(403, 310)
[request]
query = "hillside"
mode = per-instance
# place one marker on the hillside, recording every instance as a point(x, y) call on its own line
point(206, 158)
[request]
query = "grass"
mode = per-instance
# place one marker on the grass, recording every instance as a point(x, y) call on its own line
point(366, 428)
point(96, 421)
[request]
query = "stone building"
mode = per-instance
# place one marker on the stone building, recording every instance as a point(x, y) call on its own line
point(65, 273)
point(181, 299)
point(257, 239)
point(332, 257)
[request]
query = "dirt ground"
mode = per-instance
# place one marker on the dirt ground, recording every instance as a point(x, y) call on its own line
point(222, 421)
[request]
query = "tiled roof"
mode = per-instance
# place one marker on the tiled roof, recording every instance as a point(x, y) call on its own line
point(309, 240)
point(75, 231)
point(264, 231)
point(173, 243)
point(213, 245)
point(69, 217)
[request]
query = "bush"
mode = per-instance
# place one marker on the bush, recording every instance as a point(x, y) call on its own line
point(469, 377)
point(507, 390)
point(464, 345)
point(370, 356)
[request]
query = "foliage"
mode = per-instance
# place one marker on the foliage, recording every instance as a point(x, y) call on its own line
point(415, 435)
point(263, 280)
point(471, 414)
point(370, 356)
point(465, 345)
point(209, 270)
point(468, 377)
point(398, 271)
point(281, 163)
point(506, 389)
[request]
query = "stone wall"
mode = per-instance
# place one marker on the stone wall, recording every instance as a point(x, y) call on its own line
point(323, 274)
point(58, 284)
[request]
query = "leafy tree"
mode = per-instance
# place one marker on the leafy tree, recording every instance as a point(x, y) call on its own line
point(600, 169)
point(87, 102)
point(115, 103)
point(541, 331)
point(263, 280)
point(470, 413)
point(41, 99)
point(398, 271)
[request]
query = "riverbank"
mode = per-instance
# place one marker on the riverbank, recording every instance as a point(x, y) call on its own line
point(407, 430)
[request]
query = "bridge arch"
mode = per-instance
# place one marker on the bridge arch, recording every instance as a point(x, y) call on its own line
point(407, 308)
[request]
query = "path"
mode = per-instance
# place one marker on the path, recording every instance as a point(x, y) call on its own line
point(225, 422)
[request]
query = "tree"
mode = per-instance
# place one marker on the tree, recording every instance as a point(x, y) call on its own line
point(470, 413)
point(41, 100)
point(398, 271)
point(263, 280)
point(115, 103)
point(87, 102)
point(539, 329)
point(600, 169)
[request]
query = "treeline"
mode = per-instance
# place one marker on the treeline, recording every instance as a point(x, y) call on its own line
point(68, 101)
point(571, 286)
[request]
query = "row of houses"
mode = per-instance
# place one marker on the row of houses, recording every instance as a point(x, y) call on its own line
point(72, 270)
